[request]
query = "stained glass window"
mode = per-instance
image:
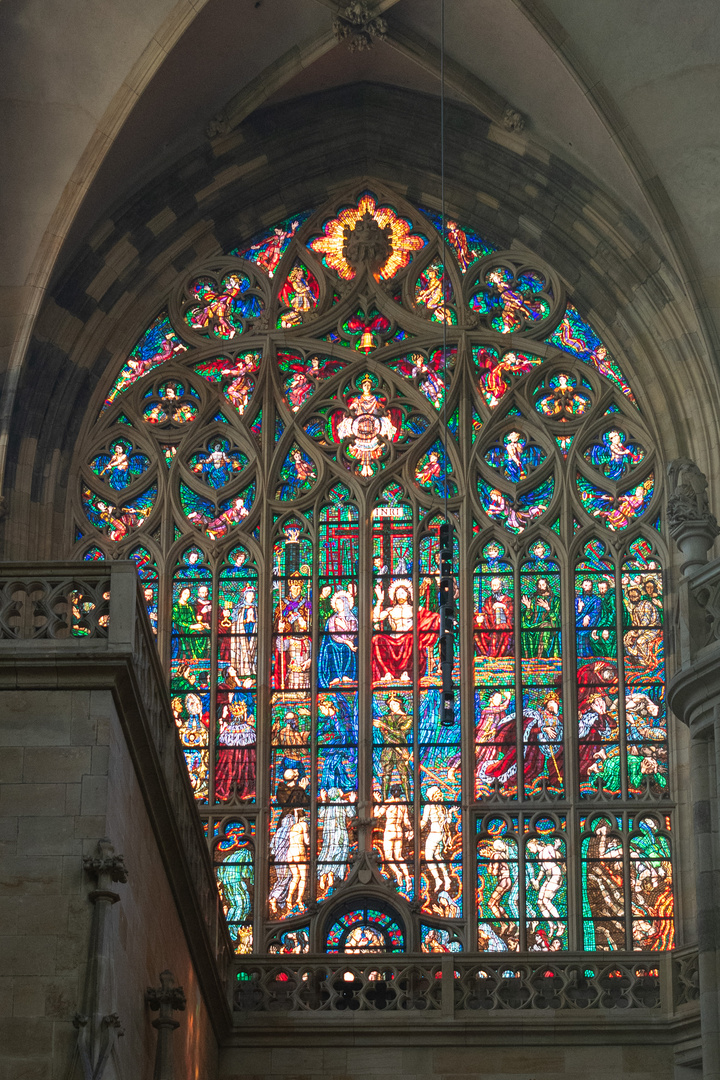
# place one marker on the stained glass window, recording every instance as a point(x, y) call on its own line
point(278, 454)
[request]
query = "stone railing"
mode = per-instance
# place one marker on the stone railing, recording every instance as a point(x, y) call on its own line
point(85, 626)
point(449, 986)
point(55, 601)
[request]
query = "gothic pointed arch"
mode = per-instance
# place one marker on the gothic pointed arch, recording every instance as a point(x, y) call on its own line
point(278, 453)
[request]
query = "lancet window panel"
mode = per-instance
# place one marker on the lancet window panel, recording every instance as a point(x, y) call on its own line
point(277, 452)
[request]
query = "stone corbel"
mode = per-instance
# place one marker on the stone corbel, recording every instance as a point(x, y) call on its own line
point(165, 999)
point(691, 525)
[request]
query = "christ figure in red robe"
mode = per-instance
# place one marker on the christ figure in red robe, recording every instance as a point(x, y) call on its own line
point(392, 652)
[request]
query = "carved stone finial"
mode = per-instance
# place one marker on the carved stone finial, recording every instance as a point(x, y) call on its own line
point(512, 119)
point(692, 526)
point(357, 26)
point(367, 243)
point(167, 997)
point(106, 867)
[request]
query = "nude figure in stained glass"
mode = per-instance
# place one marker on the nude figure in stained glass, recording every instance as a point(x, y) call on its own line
point(502, 902)
point(291, 795)
point(436, 818)
point(545, 873)
point(298, 851)
point(398, 829)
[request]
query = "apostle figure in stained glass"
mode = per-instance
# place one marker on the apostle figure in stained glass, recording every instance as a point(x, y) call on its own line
point(493, 622)
point(292, 649)
point(540, 614)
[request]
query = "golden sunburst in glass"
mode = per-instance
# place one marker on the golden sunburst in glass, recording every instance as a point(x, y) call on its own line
point(402, 242)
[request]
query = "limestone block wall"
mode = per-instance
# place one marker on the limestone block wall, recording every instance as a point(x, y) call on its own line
point(464, 1056)
point(66, 780)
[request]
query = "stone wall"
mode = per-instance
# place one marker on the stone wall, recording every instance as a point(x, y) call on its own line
point(515, 1059)
point(66, 780)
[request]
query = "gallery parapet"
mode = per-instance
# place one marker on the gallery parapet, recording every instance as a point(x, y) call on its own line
point(458, 985)
point(84, 625)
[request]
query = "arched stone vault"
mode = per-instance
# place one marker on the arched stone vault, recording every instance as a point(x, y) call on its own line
point(293, 156)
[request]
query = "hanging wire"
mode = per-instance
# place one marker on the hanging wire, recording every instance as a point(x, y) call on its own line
point(443, 281)
point(447, 583)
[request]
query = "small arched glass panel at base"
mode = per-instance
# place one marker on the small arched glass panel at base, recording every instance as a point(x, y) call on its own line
point(365, 926)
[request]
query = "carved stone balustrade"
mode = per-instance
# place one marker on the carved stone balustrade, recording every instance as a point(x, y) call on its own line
point(464, 987)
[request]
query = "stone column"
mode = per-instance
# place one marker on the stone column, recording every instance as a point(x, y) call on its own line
point(694, 696)
point(167, 998)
